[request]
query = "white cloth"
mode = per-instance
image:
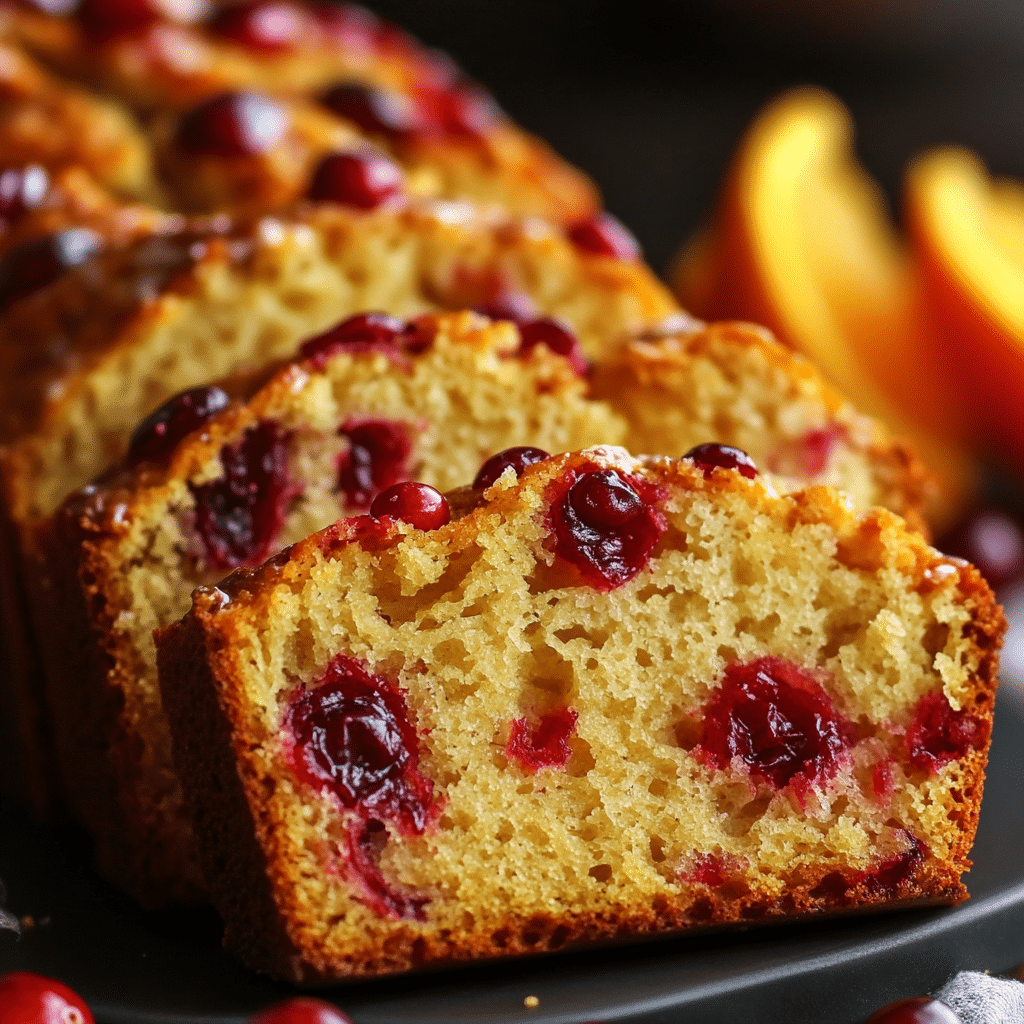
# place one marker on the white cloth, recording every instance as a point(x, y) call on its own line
point(981, 999)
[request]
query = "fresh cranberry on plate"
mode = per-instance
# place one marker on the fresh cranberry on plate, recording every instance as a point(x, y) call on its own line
point(27, 998)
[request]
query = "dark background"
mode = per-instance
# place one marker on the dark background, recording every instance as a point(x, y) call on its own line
point(650, 96)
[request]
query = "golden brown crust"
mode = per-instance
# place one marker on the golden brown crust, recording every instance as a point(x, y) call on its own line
point(52, 123)
point(931, 817)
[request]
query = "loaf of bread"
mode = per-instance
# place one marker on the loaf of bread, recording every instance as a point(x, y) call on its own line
point(610, 697)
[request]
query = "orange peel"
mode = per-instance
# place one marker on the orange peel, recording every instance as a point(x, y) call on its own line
point(802, 242)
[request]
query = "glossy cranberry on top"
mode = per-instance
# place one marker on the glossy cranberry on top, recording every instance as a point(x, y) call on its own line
point(709, 457)
point(27, 998)
point(545, 746)
point(516, 307)
point(301, 1010)
point(938, 734)
point(353, 734)
point(377, 458)
point(517, 458)
point(915, 1010)
point(417, 504)
point(377, 111)
point(991, 540)
point(266, 25)
point(605, 523)
point(239, 516)
point(159, 433)
point(365, 332)
point(348, 26)
point(232, 124)
point(105, 19)
point(37, 263)
point(363, 180)
point(458, 110)
point(603, 235)
point(777, 721)
point(556, 336)
point(21, 189)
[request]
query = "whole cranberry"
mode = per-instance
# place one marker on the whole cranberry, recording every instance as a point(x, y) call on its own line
point(107, 19)
point(462, 110)
point(377, 111)
point(32, 999)
point(990, 539)
point(915, 1010)
point(37, 263)
point(348, 26)
point(362, 180)
point(518, 458)
point(158, 434)
point(557, 337)
point(21, 188)
point(232, 124)
point(604, 235)
point(266, 25)
point(709, 457)
point(301, 1010)
point(516, 307)
point(376, 332)
point(417, 504)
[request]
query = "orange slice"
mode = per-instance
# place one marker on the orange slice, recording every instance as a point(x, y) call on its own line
point(968, 232)
point(802, 242)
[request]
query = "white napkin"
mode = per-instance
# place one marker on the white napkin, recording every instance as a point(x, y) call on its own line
point(981, 999)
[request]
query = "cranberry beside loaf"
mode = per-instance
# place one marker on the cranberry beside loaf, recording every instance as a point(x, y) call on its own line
point(611, 697)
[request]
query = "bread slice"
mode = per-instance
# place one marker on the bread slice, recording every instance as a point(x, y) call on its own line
point(733, 383)
point(122, 556)
point(82, 361)
point(613, 697)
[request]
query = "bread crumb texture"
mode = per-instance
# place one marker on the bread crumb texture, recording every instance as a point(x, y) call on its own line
point(484, 623)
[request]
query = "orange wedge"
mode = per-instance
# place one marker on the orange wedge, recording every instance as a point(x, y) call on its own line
point(802, 242)
point(968, 232)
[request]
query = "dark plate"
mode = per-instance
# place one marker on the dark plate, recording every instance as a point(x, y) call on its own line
point(138, 968)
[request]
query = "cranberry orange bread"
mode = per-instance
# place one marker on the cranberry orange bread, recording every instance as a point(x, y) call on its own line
point(428, 401)
point(83, 360)
point(246, 152)
point(373, 402)
point(162, 55)
point(613, 697)
point(735, 384)
point(240, 120)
